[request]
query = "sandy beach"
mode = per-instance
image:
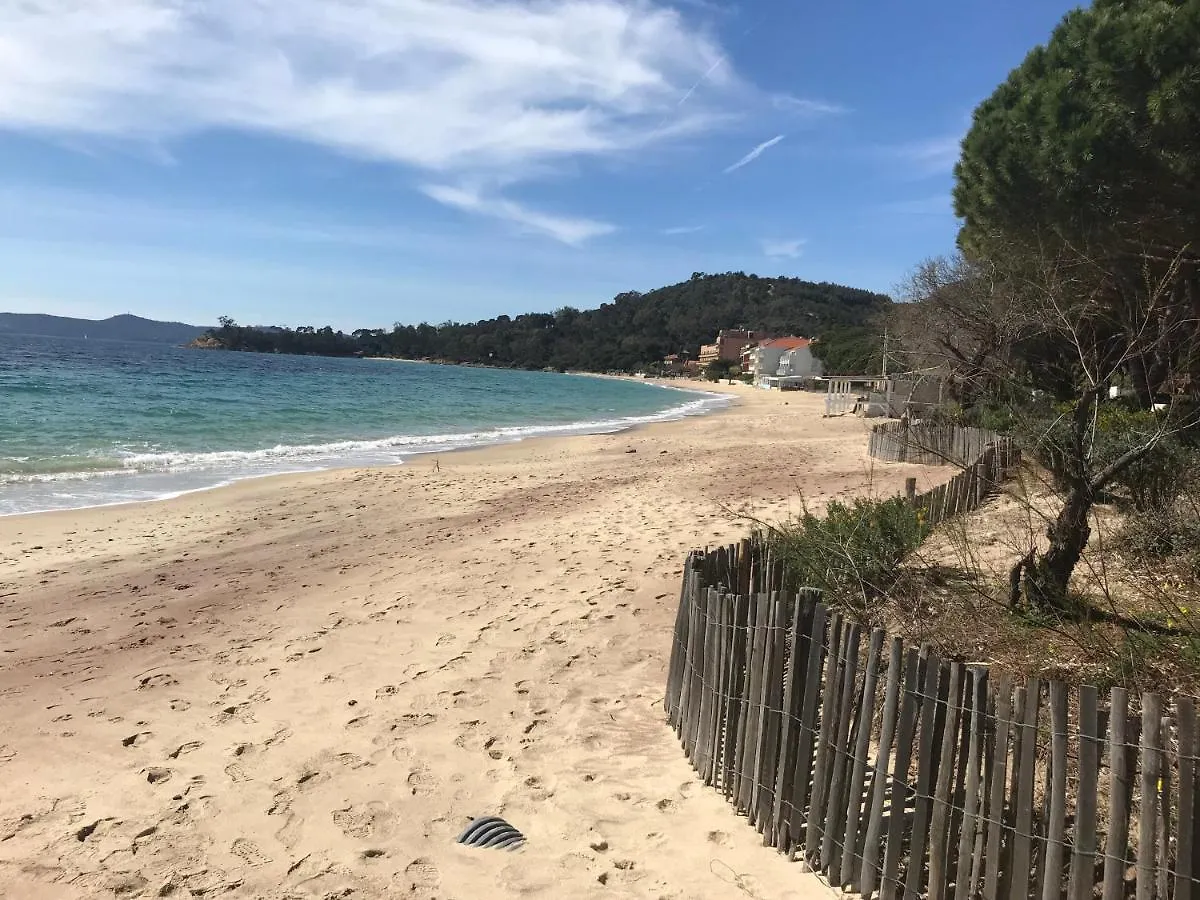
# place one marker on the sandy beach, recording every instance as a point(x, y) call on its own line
point(305, 686)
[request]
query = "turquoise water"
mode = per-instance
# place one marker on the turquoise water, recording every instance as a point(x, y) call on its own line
point(86, 423)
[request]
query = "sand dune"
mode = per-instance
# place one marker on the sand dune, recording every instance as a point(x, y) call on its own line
point(306, 686)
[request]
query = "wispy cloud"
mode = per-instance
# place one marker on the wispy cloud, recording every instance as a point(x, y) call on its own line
point(791, 248)
point(933, 156)
point(683, 229)
point(458, 88)
point(807, 107)
point(755, 153)
point(568, 230)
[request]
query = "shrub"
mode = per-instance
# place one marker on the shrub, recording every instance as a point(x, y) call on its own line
point(1169, 530)
point(1151, 483)
point(852, 553)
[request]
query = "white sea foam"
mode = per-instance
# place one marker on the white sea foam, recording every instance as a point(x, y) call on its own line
point(137, 477)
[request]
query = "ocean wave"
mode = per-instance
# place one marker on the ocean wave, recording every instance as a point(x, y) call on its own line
point(152, 475)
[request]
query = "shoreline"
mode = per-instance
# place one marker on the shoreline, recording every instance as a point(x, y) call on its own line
point(535, 432)
point(308, 684)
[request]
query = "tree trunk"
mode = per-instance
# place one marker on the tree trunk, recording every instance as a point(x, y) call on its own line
point(1139, 373)
point(1048, 579)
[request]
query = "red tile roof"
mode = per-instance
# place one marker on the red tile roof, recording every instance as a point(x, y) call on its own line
point(787, 343)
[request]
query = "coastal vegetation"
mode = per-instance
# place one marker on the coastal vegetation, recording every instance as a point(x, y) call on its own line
point(1068, 318)
point(632, 331)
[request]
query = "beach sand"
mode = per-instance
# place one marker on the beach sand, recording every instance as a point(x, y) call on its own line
point(305, 686)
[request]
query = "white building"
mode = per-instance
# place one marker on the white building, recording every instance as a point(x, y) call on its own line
point(786, 357)
point(799, 361)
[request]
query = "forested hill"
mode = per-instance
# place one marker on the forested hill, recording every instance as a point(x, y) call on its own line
point(631, 331)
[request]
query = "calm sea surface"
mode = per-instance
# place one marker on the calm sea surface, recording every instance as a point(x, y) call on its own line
point(87, 423)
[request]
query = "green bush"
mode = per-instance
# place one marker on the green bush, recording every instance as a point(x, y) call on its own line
point(851, 553)
point(1151, 483)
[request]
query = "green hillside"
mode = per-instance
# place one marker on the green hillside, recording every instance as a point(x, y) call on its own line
point(631, 331)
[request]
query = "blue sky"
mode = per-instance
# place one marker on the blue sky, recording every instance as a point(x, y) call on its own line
point(360, 162)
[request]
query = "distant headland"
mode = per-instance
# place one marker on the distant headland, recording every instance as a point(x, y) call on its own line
point(114, 328)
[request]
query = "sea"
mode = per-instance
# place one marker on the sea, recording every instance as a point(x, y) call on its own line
point(91, 423)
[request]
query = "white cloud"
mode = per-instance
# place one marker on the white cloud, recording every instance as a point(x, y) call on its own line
point(791, 248)
point(492, 90)
point(573, 231)
point(683, 229)
point(755, 153)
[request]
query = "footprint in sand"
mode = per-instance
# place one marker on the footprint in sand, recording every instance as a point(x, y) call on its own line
point(249, 852)
point(7, 753)
point(153, 681)
point(185, 748)
point(136, 740)
point(361, 821)
point(422, 874)
point(236, 773)
point(421, 782)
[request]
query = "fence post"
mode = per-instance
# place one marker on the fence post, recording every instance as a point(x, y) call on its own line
point(1084, 855)
point(1116, 843)
point(1186, 712)
point(910, 490)
point(872, 845)
point(1052, 870)
point(1148, 808)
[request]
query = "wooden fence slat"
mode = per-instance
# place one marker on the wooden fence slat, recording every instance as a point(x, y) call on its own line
point(679, 645)
point(1185, 711)
point(1148, 807)
point(766, 758)
point(873, 839)
point(774, 703)
point(851, 860)
point(717, 603)
point(789, 739)
point(958, 795)
point(936, 674)
point(1084, 850)
point(897, 816)
point(964, 886)
point(821, 768)
point(1116, 843)
point(743, 640)
point(755, 660)
point(1025, 771)
point(1052, 869)
point(835, 804)
point(997, 775)
point(1163, 818)
point(736, 708)
point(942, 798)
point(695, 670)
point(808, 725)
point(708, 696)
point(730, 692)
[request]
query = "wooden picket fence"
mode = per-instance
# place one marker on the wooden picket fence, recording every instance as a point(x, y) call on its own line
point(897, 773)
point(935, 445)
point(984, 457)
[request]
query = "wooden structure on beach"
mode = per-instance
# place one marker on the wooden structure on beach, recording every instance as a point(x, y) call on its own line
point(889, 396)
point(896, 773)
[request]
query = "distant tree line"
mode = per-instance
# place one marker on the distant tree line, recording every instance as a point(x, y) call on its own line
point(632, 331)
